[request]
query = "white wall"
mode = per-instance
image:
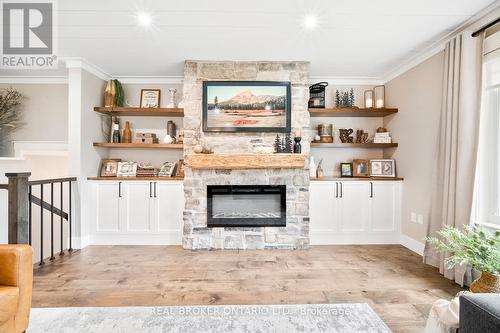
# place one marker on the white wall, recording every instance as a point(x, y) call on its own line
point(44, 114)
point(417, 93)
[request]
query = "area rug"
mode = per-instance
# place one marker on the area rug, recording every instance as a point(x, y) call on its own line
point(224, 318)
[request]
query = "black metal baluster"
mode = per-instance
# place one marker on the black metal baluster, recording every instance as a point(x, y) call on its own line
point(41, 226)
point(29, 217)
point(62, 226)
point(51, 221)
point(69, 219)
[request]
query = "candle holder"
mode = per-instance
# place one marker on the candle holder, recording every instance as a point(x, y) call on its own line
point(369, 96)
point(379, 96)
point(297, 147)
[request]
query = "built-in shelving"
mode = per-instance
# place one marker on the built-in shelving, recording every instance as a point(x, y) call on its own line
point(352, 112)
point(136, 178)
point(353, 145)
point(139, 145)
point(140, 112)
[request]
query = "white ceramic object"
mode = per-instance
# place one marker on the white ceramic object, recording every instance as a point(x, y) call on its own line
point(171, 103)
point(168, 139)
point(312, 167)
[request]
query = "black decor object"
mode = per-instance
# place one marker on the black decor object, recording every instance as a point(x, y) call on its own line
point(297, 147)
point(317, 95)
point(288, 146)
point(247, 106)
point(278, 146)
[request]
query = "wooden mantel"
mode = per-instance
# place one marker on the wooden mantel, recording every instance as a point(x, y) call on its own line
point(245, 161)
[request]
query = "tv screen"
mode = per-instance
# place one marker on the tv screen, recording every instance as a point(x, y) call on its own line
point(246, 106)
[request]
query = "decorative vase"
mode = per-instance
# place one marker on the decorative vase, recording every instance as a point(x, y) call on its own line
point(297, 148)
point(110, 94)
point(171, 103)
point(312, 167)
point(487, 283)
point(127, 133)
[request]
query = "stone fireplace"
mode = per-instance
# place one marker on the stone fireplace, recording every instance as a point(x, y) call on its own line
point(292, 231)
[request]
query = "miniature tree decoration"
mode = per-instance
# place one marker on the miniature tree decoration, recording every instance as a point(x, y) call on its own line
point(337, 99)
point(277, 144)
point(288, 148)
point(351, 98)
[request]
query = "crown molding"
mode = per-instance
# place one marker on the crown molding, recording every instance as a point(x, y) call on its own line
point(487, 14)
point(347, 80)
point(75, 62)
point(11, 79)
point(150, 79)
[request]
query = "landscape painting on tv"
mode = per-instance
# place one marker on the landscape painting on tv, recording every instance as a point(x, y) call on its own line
point(246, 106)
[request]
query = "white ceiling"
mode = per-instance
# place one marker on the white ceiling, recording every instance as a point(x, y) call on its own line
point(365, 38)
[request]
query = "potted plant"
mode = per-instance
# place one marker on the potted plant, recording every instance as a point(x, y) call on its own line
point(476, 247)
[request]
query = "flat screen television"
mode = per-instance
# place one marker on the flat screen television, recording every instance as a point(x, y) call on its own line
point(247, 106)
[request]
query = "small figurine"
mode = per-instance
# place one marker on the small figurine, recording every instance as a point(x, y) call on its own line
point(345, 135)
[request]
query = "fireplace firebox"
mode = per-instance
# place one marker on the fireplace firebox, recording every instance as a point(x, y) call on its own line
point(246, 205)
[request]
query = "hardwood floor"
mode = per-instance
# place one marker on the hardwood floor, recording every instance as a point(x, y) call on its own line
point(391, 279)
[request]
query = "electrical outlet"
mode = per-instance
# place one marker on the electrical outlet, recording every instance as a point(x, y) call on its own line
point(413, 217)
point(420, 219)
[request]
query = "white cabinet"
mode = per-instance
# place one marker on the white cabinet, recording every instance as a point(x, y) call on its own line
point(354, 212)
point(136, 212)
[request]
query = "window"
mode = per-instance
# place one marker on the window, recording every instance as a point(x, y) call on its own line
point(487, 195)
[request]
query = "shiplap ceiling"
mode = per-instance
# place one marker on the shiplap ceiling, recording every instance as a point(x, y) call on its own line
point(365, 38)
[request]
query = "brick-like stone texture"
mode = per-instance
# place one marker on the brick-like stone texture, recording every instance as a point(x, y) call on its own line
point(196, 235)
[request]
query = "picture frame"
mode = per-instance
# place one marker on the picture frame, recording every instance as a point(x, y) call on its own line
point(127, 169)
point(150, 98)
point(109, 167)
point(383, 168)
point(179, 169)
point(247, 106)
point(361, 168)
point(346, 170)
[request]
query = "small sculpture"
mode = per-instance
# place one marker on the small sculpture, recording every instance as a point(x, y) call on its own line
point(381, 130)
point(171, 103)
point(345, 135)
point(361, 136)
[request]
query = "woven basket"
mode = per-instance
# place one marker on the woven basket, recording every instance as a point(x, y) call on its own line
point(487, 283)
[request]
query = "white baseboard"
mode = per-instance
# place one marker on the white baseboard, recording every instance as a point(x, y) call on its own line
point(167, 238)
point(412, 244)
point(80, 242)
point(326, 237)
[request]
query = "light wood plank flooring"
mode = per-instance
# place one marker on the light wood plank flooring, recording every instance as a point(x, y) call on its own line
point(391, 279)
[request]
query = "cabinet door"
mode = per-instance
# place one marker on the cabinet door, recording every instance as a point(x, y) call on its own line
point(169, 207)
point(323, 207)
point(383, 206)
point(353, 206)
point(138, 200)
point(108, 206)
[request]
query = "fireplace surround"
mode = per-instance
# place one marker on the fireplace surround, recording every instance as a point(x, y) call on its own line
point(246, 206)
point(198, 232)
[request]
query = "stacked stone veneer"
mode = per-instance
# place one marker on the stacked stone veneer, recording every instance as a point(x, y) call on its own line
point(196, 235)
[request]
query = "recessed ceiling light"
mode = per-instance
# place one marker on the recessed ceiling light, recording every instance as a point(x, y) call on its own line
point(310, 22)
point(144, 19)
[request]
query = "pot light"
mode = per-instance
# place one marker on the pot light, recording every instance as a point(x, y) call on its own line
point(310, 22)
point(144, 19)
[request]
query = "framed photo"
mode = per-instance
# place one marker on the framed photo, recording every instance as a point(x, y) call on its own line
point(126, 169)
point(382, 168)
point(361, 168)
point(150, 98)
point(179, 169)
point(247, 106)
point(345, 169)
point(109, 167)
point(167, 169)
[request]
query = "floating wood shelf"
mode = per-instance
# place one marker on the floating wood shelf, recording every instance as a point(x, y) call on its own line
point(368, 179)
point(140, 112)
point(139, 145)
point(136, 178)
point(245, 161)
point(351, 112)
point(353, 145)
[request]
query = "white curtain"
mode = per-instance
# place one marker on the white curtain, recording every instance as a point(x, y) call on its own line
point(453, 179)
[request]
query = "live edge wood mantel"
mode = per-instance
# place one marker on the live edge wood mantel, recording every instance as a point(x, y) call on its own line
point(245, 161)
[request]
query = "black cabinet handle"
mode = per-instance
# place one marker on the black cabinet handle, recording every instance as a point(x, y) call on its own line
point(336, 189)
point(119, 189)
point(341, 190)
point(150, 191)
point(371, 190)
point(155, 189)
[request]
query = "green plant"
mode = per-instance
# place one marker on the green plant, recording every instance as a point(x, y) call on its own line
point(10, 115)
point(474, 246)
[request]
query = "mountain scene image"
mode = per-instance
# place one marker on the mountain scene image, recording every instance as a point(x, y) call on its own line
point(246, 106)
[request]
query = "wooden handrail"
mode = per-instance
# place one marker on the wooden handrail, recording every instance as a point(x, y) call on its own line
point(4, 186)
point(50, 181)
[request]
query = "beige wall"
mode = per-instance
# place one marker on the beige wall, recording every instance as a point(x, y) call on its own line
point(44, 112)
point(417, 94)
